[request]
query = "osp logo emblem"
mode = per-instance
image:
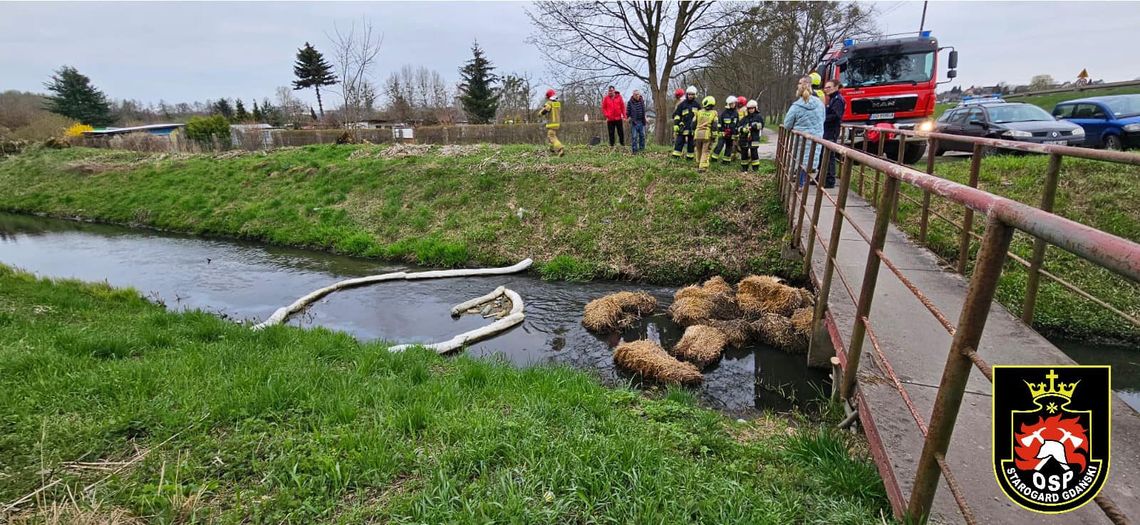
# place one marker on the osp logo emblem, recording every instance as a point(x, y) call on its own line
point(1051, 434)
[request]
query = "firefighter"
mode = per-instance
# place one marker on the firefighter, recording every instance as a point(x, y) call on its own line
point(740, 112)
point(683, 124)
point(552, 110)
point(726, 129)
point(704, 127)
point(749, 132)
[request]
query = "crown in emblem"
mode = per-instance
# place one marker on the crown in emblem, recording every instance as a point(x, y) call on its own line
point(1064, 390)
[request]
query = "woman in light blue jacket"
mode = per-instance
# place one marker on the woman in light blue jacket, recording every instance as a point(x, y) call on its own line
point(806, 114)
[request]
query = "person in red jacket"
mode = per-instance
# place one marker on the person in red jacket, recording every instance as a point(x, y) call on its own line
point(613, 108)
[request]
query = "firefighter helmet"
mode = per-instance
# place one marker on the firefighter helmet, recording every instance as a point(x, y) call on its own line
point(740, 101)
point(815, 79)
point(679, 93)
point(752, 104)
point(550, 93)
point(730, 100)
point(691, 91)
point(708, 102)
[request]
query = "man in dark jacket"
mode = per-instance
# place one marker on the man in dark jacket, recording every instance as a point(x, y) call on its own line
point(836, 106)
point(683, 125)
point(635, 111)
point(613, 108)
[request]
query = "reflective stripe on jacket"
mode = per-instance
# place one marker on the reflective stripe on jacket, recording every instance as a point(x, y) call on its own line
point(553, 112)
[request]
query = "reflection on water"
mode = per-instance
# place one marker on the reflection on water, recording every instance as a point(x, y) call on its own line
point(244, 280)
point(1124, 360)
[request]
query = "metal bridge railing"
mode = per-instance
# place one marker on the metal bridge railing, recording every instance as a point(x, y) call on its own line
point(1003, 217)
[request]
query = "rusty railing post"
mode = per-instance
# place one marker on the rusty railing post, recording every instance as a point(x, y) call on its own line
point(793, 189)
point(971, 323)
point(924, 221)
point(863, 167)
point(829, 264)
point(1039, 245)
point(878, 173)
point(789, 188)
point(902, 162)
point(802, 203)
point(781, 145)
point(867, 293)
point(826, 158)
point(968, 214)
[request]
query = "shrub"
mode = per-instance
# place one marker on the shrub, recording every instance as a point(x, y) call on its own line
point(207, 129)
point(77, 130)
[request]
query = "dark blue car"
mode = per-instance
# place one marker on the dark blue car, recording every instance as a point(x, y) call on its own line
point(1111, 122)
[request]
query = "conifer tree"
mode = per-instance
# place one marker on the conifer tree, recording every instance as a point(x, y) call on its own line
point(74, 97)
point(312, 71)
point(478, 95)
point(240, 114)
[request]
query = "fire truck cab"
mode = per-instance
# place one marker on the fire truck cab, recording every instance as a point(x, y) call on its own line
point(889, 82)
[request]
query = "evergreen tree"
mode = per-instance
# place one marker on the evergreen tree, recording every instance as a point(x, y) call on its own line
point(313, 71)
point(273, 116)
point(240, 114)
point(74, 97)
point(222, 107)
point(312, 113)
point(477, 92)
point(257, 116)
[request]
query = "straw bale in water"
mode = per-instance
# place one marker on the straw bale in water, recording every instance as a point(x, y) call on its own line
point(764, 294)
point(701, 345)
point(650, 360)
point(736, 331)
point(801, 320)
point(716, 285)
point(694, 305)
point(777, 331)
point(616, 311)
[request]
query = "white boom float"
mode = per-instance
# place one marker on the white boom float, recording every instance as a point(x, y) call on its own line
point(511, 319)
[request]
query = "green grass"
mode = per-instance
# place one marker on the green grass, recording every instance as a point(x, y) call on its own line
point(594, 213)
point(1102, 195)
point(305, 426)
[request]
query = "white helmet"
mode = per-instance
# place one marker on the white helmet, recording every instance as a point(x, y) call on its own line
point(752, 104)
point(691, 91)
point(730, 100)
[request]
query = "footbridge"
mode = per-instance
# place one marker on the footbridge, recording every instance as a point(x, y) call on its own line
point(912, 337)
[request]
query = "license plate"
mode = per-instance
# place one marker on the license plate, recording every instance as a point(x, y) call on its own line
point(1057, 142)
point(882, 116)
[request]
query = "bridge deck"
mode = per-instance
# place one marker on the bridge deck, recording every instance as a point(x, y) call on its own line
point(916, 345)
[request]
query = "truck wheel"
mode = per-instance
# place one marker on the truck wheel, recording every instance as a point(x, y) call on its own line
point(1113, 143)
point(914, 152)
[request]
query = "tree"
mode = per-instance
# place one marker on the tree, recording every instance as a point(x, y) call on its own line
point(208, 129)
point(257, 116)
point(477, 91)
point(222, 107)
point(355, 51)
point(312, 114)
point(1039, 82)
point(516, 98)
point(240, 114)
point(312, 71)
point(650, 42)
point(74, 97)
point(773, 44)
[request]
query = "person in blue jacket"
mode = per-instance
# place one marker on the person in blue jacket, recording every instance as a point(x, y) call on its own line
point(806, 115)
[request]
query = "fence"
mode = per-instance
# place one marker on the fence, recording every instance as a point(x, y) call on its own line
point(1003, 217)
point(570, 132)
point(1074, 89)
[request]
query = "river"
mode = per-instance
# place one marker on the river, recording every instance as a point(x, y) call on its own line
point(248, 281)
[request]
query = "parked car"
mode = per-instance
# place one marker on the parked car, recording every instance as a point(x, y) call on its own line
point(1111, 122)
point(995, 118)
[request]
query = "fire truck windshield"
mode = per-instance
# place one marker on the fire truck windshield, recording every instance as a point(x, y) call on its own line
point(893, 68)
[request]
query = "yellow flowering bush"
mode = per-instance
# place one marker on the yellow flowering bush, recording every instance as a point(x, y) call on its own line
point(77, 130)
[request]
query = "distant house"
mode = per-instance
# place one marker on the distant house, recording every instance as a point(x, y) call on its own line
point(150, 129)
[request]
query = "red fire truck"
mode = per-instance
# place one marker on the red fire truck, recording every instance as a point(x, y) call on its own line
point(889, 82)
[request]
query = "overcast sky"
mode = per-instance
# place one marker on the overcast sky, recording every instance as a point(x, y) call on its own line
point(193, 51)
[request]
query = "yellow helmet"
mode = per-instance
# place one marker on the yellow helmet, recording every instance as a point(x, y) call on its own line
point(708, 102)
point(815, 79)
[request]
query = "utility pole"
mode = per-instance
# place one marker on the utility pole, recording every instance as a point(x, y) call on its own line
point(922, 24)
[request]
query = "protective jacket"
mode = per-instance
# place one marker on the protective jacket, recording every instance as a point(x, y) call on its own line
point(749, 128)
point(683, 115)
point(552, 110)
point(729, 119)
point(704, 124)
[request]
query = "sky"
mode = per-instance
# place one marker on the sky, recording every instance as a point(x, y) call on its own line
point(182, 52)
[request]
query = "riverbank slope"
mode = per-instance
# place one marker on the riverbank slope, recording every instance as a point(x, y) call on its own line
point(591, 214)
